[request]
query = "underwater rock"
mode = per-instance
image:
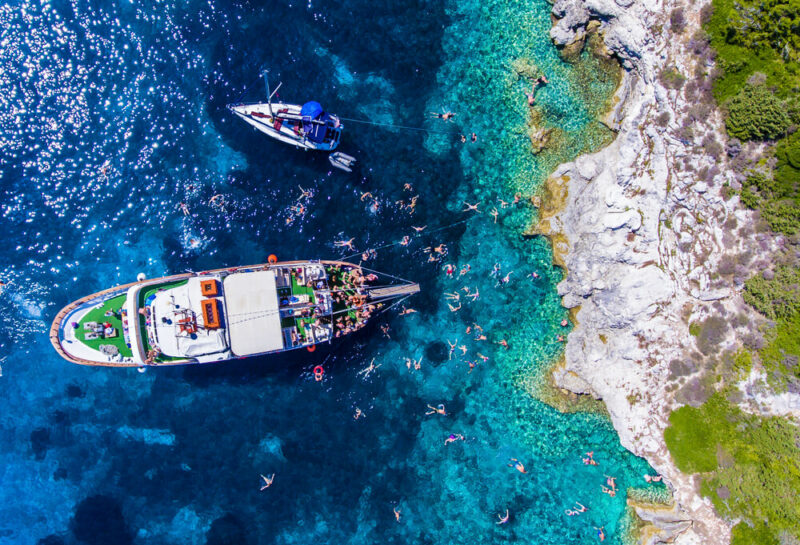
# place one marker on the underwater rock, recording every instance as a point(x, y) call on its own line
point(98, 521)
point(51, 540)
point(40, 442)
point(436, 352)
point(227, 530)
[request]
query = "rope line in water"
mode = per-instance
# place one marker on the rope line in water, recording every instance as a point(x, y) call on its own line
point(406, 127)
point(416, 235)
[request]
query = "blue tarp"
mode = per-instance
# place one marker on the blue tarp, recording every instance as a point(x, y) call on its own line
point(311, 109)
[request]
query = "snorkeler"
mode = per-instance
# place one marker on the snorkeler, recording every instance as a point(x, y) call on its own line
point(452, 438)
point(600, 533)
point(445, 116)
point(503, 203)
point(516, 464)
point(345, 244)
point(439, 409)
point(503, 519)
point(449, 270)
point(267, 481)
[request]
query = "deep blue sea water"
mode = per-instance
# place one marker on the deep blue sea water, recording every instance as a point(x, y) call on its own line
point(113, 114)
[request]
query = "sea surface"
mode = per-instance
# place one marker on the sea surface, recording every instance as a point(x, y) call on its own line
point(112, 114)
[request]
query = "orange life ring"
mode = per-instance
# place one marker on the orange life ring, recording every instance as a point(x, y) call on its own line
point(311, 348)
point(318, 372)
point(272, 259)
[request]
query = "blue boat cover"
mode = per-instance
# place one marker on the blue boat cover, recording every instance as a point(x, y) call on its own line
point(311, 109)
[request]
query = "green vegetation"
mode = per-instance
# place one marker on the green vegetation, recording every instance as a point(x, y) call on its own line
point(777, 298)
point(748, 464)
point(755, 113)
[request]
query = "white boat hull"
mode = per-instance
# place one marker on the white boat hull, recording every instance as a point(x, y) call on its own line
point(268, 121)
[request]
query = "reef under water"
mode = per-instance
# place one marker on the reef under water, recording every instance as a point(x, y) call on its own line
point(114, 114)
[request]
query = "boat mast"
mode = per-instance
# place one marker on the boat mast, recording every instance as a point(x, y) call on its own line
point(265, 73)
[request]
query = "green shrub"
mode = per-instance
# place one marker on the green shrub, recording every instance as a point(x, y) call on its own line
point(777, 197)
point(756, 114)
point(749, 465)
point(744, 534)
point(778, 298)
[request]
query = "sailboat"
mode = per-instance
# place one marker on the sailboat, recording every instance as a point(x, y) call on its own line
point(224, 314)
point(306, 126)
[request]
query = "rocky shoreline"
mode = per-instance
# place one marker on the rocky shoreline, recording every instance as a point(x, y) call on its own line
point(642, 236)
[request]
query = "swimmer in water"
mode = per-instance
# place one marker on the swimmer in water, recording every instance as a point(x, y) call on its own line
point(494, 213)
point(454, 309)
point(455, 296)
point(564, 323)
point(449, 269)
point(406, 311)
point(358, 414)
point(345, 244)
point(446, 116)
point(464, 270)
point(600, 533)
point(506, 278)
point(473, 137)
point(503, 519)
point(612, 482)
point(419, 229)
point(474, 295)
point(184, 208)
point(385, 330)
point(589, 460)
point(542, 80)
point(471, 207)
point(516, 464)
point(463, 349)
point(453, 349)
point(581, 508)
point(463, 138)
point(503, 343)
point(365, 195)
point(531, 96)
point(408, 187)
point(369, 369)
point(560, 338)
point(452, 438)
point(267, 481)
point(483, 358)
point(611, 492)
point(517, 197)
point(213, 200)
point(396, 513)
point(405, 241)
point(305, 193)
point(439, 409)
point(503, 203)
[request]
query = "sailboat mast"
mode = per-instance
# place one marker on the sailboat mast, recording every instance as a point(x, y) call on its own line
point(265, 74)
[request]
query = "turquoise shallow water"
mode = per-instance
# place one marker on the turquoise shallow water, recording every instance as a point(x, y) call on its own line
point(112, 114)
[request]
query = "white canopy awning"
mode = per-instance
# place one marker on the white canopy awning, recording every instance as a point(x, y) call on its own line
point(253, 318)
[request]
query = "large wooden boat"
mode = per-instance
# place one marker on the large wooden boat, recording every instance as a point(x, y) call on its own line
point(223, 314)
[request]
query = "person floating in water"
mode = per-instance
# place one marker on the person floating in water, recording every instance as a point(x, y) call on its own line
point(439, 409)
point(494, 213)
point(654, 479)
point(503, 343)
point(581, 508)
point(610, 491)
point(516, 464)
point(463, 138)
point(267, 481)
point(473, 137)
point(358, 414)
point(471, 207)
point(396, 513)
point(531, 96)
point(611, 482)
point(405, 241)
point(589, 460)
point(406, 311)
point(345, 244)
point(452, 438)
point(419, 229)
point(369, 369)
point(564, 323)
point(503, 519)
point(184, 208)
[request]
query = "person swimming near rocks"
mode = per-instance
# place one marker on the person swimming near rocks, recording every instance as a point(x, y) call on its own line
point(452, 438)
point(217, 201)
point(531, 96)
point(600, 533)
point(564, 322)
point(439, 409)
point(365, 195)
point(610, 491)
point(589, 460)
point(612, 482)
point(471, 207)
point(503, 343)
point(516, 464)
point(581, 508)
point(267, 481)
point(503, 519)
point(494, 213)
point(654, 479)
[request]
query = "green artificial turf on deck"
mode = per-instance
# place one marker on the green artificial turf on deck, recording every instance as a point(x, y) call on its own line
point(98, 315)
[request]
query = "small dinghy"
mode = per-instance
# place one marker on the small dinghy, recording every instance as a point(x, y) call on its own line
point(342, 161)
point(308, 126)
